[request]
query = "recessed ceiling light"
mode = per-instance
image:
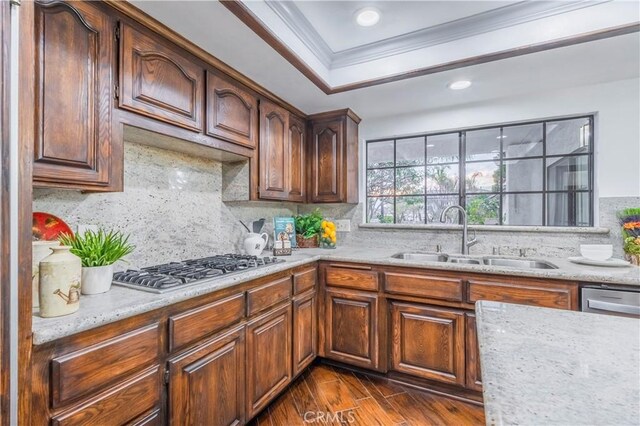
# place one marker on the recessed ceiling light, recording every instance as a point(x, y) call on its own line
point(368, 16)
point(430, 145)
point(459, 85)
point(501, 137)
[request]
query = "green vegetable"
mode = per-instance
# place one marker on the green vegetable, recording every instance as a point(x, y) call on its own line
point(308, 225)
point(98, 248)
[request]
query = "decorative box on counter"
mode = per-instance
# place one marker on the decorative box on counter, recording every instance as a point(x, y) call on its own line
point(282, 248)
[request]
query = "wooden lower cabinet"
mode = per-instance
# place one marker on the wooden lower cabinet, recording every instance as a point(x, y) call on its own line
point(473, 378)
point(268, 358)
point(206, 384)
point(428, 342)
point(305, 331)
point(351, 327)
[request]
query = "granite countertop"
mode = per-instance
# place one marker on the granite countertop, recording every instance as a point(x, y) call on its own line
point(549, 366)
point(121, 302)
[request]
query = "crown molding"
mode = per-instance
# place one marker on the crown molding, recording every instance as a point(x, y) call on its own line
point(470, 26)
point(246, 16)
point(289, 13)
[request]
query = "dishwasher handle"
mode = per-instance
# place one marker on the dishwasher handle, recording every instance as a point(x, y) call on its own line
point(613, 307)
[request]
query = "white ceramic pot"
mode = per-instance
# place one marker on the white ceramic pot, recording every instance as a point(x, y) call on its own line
point(96, 279)
point(59, 283)
point(255, 243)
point(40, 250)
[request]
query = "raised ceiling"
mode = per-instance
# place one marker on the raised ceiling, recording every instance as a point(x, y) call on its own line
point(334, 20)
point(415, 38)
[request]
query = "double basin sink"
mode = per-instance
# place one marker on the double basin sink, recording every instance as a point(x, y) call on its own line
point(469, 260)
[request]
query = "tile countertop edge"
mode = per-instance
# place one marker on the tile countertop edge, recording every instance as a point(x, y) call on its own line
point(49, 329)
point(553, 366)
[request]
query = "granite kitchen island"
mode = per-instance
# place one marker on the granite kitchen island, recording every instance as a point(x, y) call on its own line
point(548, 366)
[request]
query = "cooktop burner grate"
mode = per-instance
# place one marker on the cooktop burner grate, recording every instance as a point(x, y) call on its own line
point(173, 275)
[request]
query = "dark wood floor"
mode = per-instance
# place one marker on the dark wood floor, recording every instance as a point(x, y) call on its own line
point(331, 396)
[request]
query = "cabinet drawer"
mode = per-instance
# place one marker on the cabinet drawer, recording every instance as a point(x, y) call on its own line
point(119, 405)
point(91, 368)
point(431, 287)
point(352, 276)
point(260, 298)
point(193, 325)
point(303, 281)
point(563, 296)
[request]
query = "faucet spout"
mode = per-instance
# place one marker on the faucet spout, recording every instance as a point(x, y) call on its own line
point(466, 242)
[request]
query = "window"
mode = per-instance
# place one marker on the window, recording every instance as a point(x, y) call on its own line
point(534, 173)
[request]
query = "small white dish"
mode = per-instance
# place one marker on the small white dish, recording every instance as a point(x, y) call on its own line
point(596, 251)
point(612, 262)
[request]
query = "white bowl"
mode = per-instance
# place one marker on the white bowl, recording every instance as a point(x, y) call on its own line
point(596, 251)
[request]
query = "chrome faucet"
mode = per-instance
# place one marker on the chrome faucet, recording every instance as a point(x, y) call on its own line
point(466, 242)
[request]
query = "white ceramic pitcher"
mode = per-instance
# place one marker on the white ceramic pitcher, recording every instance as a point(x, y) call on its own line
point(255, 243)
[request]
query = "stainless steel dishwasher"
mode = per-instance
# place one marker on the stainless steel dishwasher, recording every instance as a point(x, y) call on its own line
point(607, 300)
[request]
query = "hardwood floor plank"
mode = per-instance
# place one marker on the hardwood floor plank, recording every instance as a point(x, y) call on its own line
point(449, 409)
point(337, 395)
point(322, 373)
point(369, 412)
point(354, 384)
point(414, 415)
point(385, 387)
point(388, 409)
point(303, 398)
point(283, 411)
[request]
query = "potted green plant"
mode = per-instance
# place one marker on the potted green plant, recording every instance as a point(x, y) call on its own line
point(308, 228)
point(98, 252)
point(630, 222)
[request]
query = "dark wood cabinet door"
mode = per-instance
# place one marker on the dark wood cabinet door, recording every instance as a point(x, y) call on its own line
point(326, 162)
point(268, 358)
point(274, 152)
point(206, 384)
point(74, 45)
point(158, 82)
point(351, 327)
point(428, 342)
point(473, 379)
point(232, 112)
point(305, 331)
point(297, 158)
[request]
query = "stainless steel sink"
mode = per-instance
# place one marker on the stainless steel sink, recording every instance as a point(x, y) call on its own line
point(422, 257)
point(518, 263)
point(465, 260)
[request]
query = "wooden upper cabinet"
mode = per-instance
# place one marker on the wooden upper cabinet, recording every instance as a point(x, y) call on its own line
point(428, 342)
point(157, 81)
point(326, 156)
point(297, 158)
point(206, 384)
point(333, 157)
point(74, 46)
point(274, 152)
point(232, 112)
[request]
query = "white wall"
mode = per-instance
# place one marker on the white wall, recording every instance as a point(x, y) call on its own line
point(617, 138)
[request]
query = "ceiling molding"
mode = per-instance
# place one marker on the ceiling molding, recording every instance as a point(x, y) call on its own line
point(470, 26)
point(496, 56)
point(480, 23)
point(302, 28)
point(246, 16)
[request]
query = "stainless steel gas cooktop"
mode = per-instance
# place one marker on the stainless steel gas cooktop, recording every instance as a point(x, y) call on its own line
point(175, 275)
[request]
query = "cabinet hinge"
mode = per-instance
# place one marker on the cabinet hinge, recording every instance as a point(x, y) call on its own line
point(116, 92)
point(166, 376)
point(117, 31)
